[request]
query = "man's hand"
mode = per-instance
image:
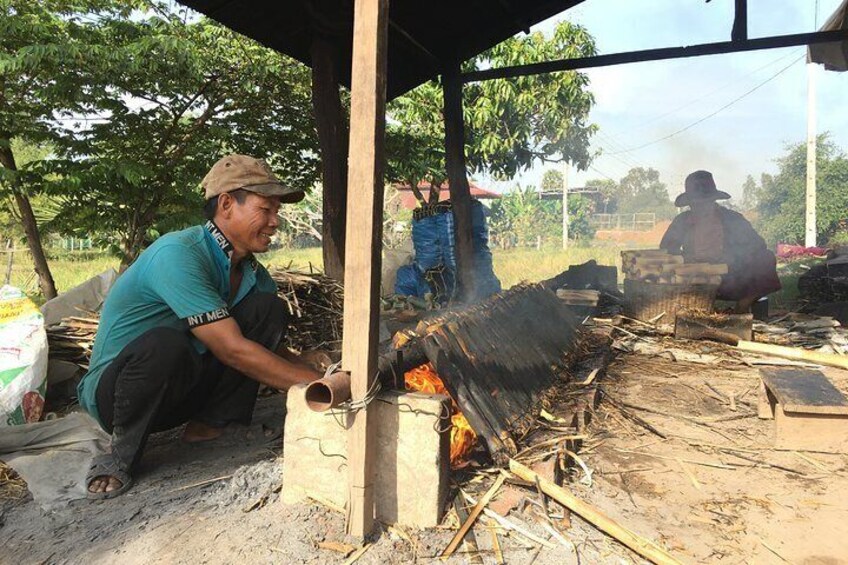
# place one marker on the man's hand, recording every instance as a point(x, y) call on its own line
point(226, 342)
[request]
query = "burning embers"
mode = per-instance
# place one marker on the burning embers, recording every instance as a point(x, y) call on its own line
point(462, 437)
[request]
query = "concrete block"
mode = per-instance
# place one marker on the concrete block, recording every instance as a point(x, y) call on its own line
point(314, 452)
point(412, 453)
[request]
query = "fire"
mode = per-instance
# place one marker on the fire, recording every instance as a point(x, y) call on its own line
point(462, 438)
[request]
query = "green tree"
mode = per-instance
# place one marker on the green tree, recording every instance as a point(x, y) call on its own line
point(521, 215)
point(44, 208)
point(782, 202)
point(580, 210)
point(188, 92)
point(641, 191)
point(608, 190)
point(48, 52)
point(552, 181)
point(510, 123)
point(750, 194)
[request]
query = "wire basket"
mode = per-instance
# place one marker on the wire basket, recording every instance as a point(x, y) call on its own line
point(646, 301)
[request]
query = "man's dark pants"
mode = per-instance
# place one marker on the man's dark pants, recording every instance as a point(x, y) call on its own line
point(160, 381)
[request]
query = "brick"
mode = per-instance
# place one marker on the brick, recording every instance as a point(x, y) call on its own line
point(412, 456)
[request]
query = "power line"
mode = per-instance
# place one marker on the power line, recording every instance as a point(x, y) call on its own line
point(616, 148)
point(708, 116)
point(711, 93)
point(603, 174)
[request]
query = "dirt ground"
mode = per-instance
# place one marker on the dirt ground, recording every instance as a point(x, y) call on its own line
point(635, 237)
point(712, 491)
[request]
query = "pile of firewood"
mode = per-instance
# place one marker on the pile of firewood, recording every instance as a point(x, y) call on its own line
point(313, 300)
point(826, 281)
point(315, 303)
point(659, 266)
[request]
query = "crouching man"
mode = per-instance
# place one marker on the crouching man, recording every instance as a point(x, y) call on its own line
point(187, 333)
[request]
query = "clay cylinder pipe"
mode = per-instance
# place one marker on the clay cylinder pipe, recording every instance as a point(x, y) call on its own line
point(328, 392)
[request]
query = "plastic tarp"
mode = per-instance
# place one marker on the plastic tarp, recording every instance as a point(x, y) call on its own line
point(86, 296)
point(434, 267)
point(833, 55)
point(53, 457)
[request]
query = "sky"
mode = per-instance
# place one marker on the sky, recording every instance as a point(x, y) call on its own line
point(638, 104)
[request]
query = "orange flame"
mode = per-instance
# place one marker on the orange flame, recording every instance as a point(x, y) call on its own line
point(462, 438)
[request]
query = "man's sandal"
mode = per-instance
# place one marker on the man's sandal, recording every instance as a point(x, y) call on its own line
point(106, 466)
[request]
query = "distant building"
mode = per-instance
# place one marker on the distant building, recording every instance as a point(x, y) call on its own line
point(408, 201)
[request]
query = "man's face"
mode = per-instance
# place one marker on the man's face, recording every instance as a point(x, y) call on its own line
point(251, 225)
point(703, 207)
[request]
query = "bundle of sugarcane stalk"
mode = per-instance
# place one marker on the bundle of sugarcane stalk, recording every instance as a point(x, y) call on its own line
point(659, 266)
point(313, 300)
point(501, 359)
point(315, 303)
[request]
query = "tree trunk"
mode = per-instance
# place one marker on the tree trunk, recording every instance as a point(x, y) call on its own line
point(45, 277)
point(457, 177)
point(331, 123)
point(133, 241)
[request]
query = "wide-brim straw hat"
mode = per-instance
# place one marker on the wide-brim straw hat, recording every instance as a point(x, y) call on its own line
point(699, 187)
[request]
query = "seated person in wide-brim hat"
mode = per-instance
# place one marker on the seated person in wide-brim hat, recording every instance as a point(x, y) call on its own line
point(709, 233)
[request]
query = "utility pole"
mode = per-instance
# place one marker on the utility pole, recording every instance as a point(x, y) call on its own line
point(565, 205)
point(810, 234)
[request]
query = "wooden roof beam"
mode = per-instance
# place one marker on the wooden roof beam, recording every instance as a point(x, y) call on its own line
point(740, 22)
point(659, 54)
point(432, 59)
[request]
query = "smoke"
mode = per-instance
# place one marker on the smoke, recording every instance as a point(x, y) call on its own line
point(692, 153)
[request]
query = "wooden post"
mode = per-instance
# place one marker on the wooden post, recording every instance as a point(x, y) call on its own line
point(811, 231)
point(331, 123)
point(457, 177)
point(565, 205)
point(366, 159)
point(11, 251)
point(740, 22)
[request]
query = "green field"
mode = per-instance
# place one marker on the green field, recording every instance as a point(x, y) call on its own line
point(511, 266)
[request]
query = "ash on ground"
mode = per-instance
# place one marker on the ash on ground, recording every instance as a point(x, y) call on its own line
point(256, 483)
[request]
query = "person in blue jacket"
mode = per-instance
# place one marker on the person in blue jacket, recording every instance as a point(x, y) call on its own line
point(189, 331)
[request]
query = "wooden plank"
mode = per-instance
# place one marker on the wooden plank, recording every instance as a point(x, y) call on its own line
point(659, 54)
point(460, 192)
point(810, 432)
point(366, 160)
point(804, 390)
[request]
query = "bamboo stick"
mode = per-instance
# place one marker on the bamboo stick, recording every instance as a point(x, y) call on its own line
point(640, 545)
point(795, 353)
point(472, 516)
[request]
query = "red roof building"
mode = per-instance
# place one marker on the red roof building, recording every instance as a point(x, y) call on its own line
point(408, 200)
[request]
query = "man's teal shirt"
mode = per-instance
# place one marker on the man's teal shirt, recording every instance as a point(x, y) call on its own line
point(181, 281)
